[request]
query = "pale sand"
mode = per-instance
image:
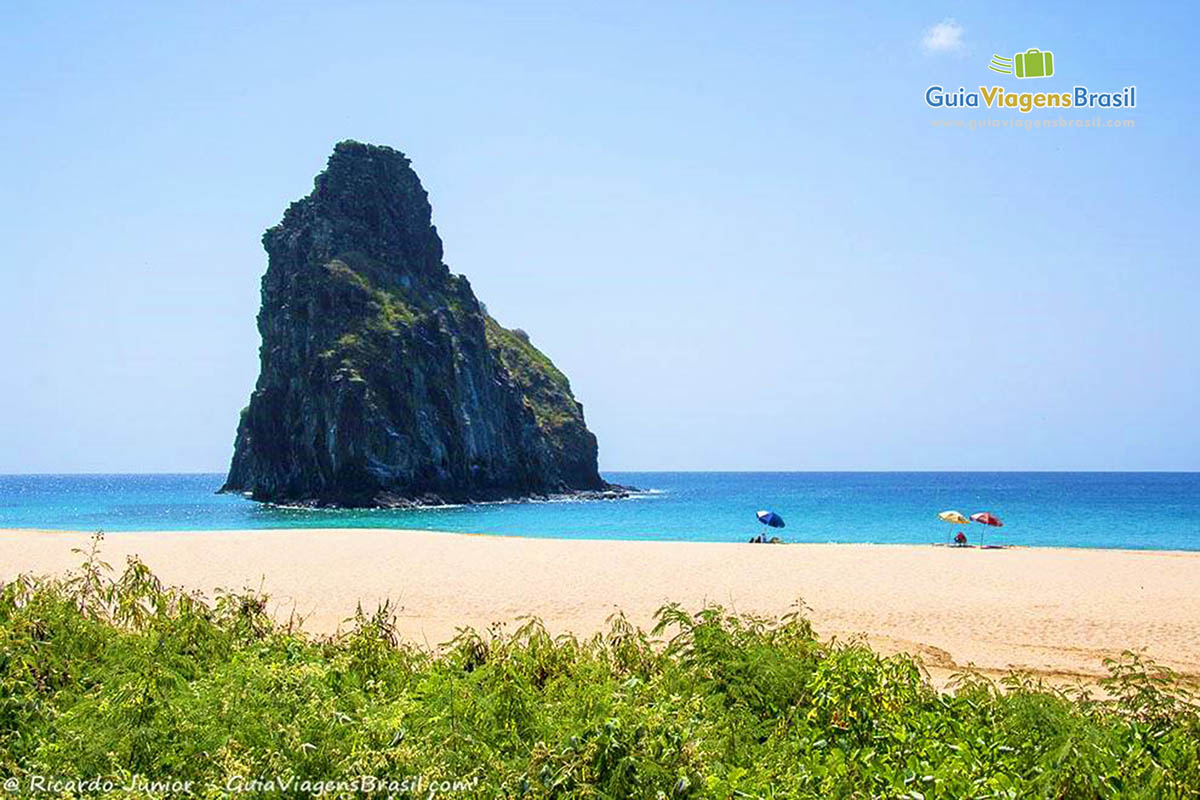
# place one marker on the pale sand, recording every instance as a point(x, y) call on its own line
point(1056, 612)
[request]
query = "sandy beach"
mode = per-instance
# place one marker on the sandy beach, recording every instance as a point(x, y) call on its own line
point(1054, 612)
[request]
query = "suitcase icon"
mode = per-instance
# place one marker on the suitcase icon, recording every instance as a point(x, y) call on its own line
point(1034, 63)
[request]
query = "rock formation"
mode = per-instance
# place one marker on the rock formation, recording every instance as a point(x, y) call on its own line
point(383, 380)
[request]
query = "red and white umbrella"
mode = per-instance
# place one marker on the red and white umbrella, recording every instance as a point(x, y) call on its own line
point(984, 518)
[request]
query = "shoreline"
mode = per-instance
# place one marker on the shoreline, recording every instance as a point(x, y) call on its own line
point(521, 537)
point(611, 491)
point(1053, 612)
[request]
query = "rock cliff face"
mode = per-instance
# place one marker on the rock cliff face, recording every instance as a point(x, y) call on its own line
point(383, 380)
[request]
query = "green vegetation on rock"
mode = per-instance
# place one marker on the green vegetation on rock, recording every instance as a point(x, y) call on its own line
point(385, 313)
point(103, 676)
point(547, 391)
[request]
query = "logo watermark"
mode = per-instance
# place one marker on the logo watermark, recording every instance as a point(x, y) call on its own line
point(1032, 63)
point(424, 786)
point(996, 97)
point(1032, 124)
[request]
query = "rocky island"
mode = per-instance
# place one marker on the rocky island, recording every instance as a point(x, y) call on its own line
point(383, 380)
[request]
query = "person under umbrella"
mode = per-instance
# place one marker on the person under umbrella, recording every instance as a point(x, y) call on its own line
point(956, 518)
point(771, 520)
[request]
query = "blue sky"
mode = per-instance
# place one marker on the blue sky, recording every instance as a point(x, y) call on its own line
point(732, 225)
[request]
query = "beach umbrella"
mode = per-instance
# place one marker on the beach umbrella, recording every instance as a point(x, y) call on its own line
point(770, 518)
point(984, 518)
point(954, 517)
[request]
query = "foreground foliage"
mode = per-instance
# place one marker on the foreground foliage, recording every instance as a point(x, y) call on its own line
point(123, 677)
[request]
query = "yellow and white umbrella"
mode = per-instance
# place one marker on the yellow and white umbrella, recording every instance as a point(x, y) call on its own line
point(955, 518)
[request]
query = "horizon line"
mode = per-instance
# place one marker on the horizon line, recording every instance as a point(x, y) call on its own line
point(687, 471)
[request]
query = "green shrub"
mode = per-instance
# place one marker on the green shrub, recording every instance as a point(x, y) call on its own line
point(115, 677)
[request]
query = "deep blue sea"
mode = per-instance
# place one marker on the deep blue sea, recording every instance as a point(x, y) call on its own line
point(1136, 510)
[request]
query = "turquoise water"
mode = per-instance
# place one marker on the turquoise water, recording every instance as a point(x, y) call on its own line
point(1085, 509)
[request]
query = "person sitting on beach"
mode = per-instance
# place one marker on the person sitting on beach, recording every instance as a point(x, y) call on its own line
point(960, 539)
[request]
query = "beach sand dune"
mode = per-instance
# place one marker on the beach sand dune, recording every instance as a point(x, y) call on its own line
point(1053, 612)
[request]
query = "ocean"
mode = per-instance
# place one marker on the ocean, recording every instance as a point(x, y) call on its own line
point(1134, 510)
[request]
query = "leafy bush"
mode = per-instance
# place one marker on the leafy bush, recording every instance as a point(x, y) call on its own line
point(121, 676)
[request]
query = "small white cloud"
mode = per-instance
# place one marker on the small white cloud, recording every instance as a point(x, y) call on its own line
point(945, 37)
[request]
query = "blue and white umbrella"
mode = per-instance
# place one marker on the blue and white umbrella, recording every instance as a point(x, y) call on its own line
point(770, 518)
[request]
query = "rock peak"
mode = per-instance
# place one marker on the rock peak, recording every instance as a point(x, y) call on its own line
point(368, 200)
point(353, 161)
point(382, 380)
